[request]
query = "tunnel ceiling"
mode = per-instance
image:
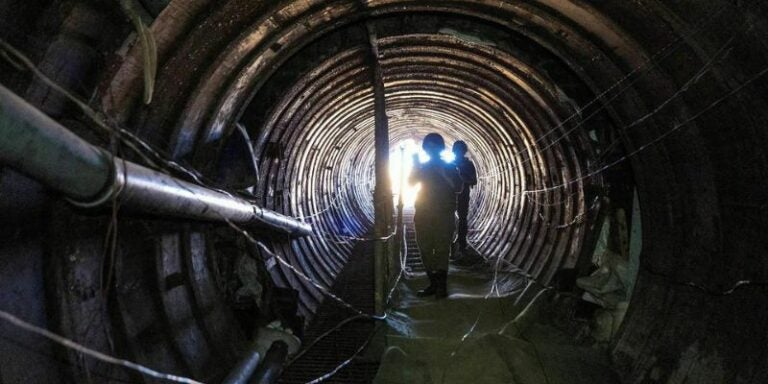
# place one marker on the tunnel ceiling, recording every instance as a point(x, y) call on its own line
point(552, 96)
point(500, 105)
point(300, 86)
point(568, 107)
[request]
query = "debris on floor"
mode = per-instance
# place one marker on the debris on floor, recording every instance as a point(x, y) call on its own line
point(520, 334)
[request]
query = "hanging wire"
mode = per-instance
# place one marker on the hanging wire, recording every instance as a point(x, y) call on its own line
point(578, 219)
point(649, 63)
point(561, 201)
point(709, 291)
point(9, 318)
point(299, 273)
point(61, 362)
point(138, 149)
point(499, 259)
point(692, 80)
point(325, 210)
point(335, 236)
point(402, 257)
point(345, 362)
point(152, 158)
point(323, 336)
point(138, 146)
point(350, 320)
point(677, 126)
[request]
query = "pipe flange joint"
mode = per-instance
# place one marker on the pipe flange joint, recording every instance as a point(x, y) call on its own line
point(111, 190)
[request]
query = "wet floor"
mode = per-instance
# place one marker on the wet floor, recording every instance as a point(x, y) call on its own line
point(495, 327)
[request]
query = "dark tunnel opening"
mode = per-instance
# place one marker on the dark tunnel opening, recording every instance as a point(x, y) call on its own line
point(577, 114)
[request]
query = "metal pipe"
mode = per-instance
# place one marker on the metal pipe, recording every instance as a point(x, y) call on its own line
point(244, 369)
point(151, 191)
point(38, 146)
point(271, 367)
point(34, 144)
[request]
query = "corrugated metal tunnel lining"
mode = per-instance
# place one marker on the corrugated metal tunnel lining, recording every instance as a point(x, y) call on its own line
point(500, 74)
point(502, 107)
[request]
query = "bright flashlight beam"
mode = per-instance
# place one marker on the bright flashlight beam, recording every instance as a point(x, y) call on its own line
point(400, 168)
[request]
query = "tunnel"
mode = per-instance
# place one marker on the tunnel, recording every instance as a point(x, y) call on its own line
point(576, 113)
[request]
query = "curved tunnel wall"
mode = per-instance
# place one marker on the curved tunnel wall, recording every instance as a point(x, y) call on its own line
point(434, 83)
point(651, 68)
point(677, 85)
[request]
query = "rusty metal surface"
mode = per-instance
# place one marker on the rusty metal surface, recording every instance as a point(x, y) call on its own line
point(502, 73)
point(355, 284)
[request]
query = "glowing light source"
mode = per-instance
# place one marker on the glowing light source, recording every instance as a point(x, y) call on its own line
point(448, 156)
point(401, 165)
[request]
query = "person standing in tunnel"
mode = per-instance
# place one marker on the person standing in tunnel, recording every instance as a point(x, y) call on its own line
point(434, 217)
point(468, 175)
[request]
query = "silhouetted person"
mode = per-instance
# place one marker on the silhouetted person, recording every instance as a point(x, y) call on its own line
point(468, 176)
point(434, 218)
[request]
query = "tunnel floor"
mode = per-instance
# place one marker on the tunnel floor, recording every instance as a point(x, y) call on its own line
point(493, 328)
point(497, 326)
point(354, 285)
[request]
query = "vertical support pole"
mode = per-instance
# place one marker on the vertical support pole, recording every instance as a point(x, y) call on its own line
point(382, 190)
point(400, 229)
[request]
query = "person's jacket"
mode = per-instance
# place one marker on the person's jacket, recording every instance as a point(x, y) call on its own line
point(440, 183)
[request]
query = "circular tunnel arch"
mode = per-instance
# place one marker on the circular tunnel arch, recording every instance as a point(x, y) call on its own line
point(683, 237)
point(606, 68)
point(424, 93)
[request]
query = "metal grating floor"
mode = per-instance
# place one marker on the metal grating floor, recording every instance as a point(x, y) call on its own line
point(355, 286)
point(413, 260)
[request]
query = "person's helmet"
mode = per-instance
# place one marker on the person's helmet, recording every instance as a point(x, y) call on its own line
point(433, 143)
point(460, 148)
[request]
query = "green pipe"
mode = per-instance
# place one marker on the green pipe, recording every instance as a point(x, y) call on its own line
point(56, 157)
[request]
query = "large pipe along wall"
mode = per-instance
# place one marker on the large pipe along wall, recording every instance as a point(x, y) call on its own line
point(568, 109)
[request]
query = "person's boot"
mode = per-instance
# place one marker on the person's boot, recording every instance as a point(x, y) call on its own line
point(441, 282)
point(431, 289)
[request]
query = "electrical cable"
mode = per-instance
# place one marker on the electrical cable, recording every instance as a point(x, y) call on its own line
point(677, 126)
point(61, 362)
point(303, 276)
point(11, 319)
point(345, 362)
point(660, 54)
point(322, 336)
point(361, 315)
